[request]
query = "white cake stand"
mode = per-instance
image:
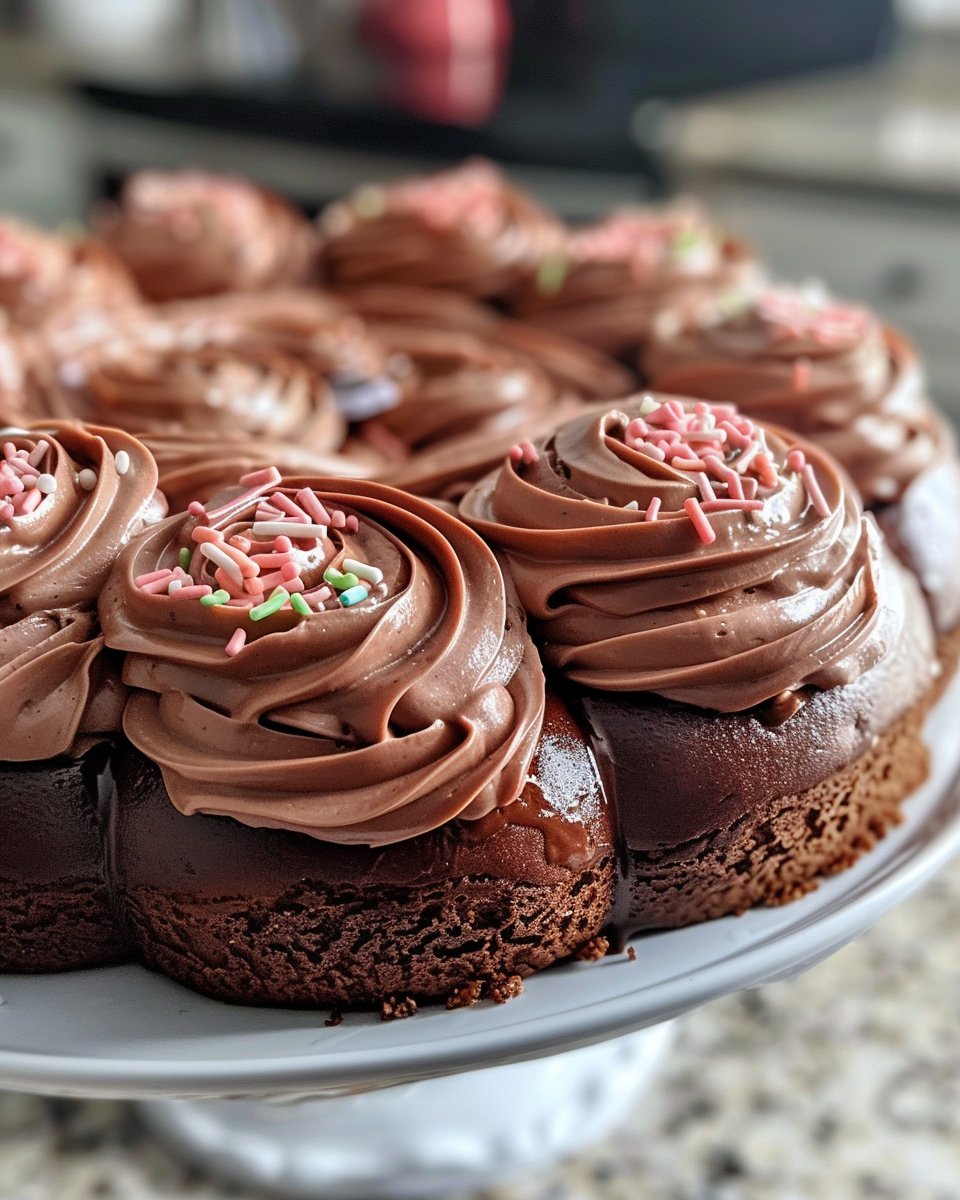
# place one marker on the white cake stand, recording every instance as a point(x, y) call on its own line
point(445, 1101)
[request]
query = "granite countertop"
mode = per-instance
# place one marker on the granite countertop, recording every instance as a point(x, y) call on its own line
point(842, 1084)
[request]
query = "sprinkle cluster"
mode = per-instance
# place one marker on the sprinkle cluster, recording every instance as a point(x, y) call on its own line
point(472, 195)
point(646, 240)
point(261, 570)
point(809, 312)
point(725, 452)
point(23, 482)
point(180, 202)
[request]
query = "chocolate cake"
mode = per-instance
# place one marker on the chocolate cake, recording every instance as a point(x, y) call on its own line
point(752, 663)
point(70, 497)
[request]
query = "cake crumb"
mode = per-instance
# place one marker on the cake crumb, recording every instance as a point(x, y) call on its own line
point(335, 1018)
point(502, 990)
point(631, 954)
point(466, 996)
point(393, 1009)
point(593, 950)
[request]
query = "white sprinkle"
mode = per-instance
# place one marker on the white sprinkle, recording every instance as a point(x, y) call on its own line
point(174, 586)
point(630, 504)
point(35, 458)
point(216, 555)
point(29, 481)
point(87, 479)
point(648, 406)
point(121, 461)
point(362, 570)
point(14, 431)
point(46, 484)
point(291, 529)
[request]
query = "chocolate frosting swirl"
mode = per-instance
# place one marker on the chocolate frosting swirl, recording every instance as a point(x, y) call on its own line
point(723, 609)
point(98, 491)
point(826, 369)
point(218, 387)
point(44, 276)
point(464, 228)
point(608, 282)
point(366, 724)
point(187, 233)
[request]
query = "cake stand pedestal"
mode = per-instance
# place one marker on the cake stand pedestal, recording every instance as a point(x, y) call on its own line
point(435, 1138)
point(444, 1101)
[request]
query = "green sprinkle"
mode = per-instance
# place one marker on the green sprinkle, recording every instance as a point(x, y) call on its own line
point(551, 273)
point(184, 558)
point(342, 583)
point(353, 596)
point(219, 597)
point(277, 600)
point(298, 604)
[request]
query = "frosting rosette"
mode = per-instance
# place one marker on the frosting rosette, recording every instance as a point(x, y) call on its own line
point(607, 282)
point(70, 497)
point(224, 385)
point(189, 233)
point(824, 368)
point(464, 228)
point(45, 276)
point(466, 399)
point(324, 656)
point(679, 548)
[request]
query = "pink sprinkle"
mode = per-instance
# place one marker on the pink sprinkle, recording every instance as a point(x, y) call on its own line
point(352, 525)
point(706, 491)
point(650, 450)
point(801, 374)
point(710, 506)
point(289, 570)
point(294, 584)
point(241, 543)
point(309, 501)
point(705, 530)
point(283, 544)
point(796, 460)
point(196, 509)
point(155, 586)
point(272, 561)
point(688, 464)
point(36, 456)
point(237, 641)
point(817, 498)
point(338, 519)
point(253, 587)
point(319, 594)
point(26, 502)
point(150, 576)
point(750, 487)
point(264, 478)
point(636, 429)
point(228, 582)
point(266, 583)
point(7, 512)
point(528, 452)
point(653, 509)
point(765, 472)
point(735, 436)
point(203, 534)
point(9, 450)
point(286, 505)
point(192, 593)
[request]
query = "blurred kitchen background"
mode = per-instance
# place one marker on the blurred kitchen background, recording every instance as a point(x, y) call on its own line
point(828, 131)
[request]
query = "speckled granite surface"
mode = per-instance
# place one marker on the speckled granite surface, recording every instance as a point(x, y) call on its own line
point(843, 1084)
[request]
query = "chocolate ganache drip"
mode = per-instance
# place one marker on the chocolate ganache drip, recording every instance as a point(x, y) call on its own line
point(463, 228)
point(70, 497)
point(679, 548)
point(329, 657)
point(188, 233)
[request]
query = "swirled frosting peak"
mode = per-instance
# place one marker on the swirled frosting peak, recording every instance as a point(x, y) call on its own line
point(44, 275)
point(189, 233)
point(465, 227)
point(70, 497)
point(331, 657)
point(820, 366)
point(679, 548)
